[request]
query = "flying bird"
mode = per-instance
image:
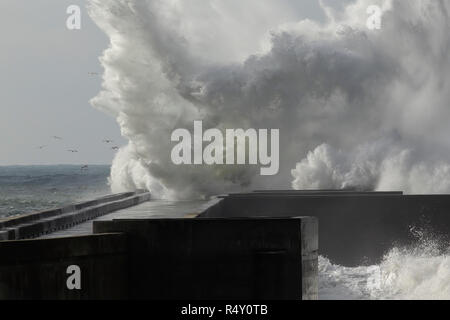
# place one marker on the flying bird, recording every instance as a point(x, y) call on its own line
point(85, 167)
point(72, 150)
point(115, 148)
point(107, 141)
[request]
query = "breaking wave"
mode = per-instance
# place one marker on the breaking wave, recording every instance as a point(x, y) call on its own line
point(420, 272)
point(355, 107)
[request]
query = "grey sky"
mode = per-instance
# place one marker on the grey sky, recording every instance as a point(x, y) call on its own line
point(45, 86)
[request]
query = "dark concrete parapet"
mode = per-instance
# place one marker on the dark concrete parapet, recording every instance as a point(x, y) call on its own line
point(324, 192)
point(169, 259)
point(37, 269)
point(40, 223)
point(310, 194)
point(355, 228)
point(220, 258)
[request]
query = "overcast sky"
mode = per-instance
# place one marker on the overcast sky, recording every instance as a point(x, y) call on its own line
point(46, 88)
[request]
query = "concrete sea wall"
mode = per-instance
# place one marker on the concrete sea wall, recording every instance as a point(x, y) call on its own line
point(254, 258)
point(37, 269)
point(355, 227)
point(169, 259)
point(39, 223)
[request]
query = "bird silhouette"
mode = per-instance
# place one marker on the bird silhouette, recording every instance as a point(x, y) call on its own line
point(115, 148)
point(72, 150)
point(107, 141)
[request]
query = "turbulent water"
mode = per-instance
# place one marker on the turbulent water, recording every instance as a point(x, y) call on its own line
point(25, 189)
point(419, 273)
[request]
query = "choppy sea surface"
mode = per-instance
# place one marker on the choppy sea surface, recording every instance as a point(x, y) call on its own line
point(418, 274)
point(25, 189)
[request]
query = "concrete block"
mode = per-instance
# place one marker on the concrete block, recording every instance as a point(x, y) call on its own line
point(355, 228)
point(220, 258)
point(36, 269)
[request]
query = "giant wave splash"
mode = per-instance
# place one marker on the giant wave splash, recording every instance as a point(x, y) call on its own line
point(356, 107)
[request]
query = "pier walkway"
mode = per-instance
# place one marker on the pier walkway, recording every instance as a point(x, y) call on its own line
point(153, 209)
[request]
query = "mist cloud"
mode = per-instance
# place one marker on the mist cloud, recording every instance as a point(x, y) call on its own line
point(355, 107)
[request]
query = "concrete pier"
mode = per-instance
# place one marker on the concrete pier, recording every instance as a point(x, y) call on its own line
point(179, 256)
point(35, 224)
point(169, 259)
point(236, 246)
point(231, 259)
point(356, 228)
point(155, 209)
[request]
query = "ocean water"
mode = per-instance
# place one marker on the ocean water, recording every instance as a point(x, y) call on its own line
point(25, 189)
point(421, 272)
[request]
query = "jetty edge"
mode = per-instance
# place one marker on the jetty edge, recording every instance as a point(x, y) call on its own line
point(33, 225)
